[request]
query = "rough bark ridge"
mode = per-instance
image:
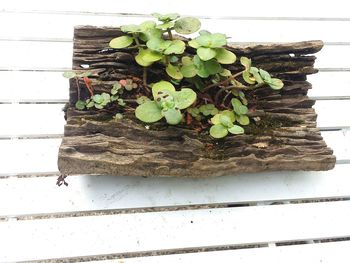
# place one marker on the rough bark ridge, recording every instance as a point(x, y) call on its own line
point(285, 139)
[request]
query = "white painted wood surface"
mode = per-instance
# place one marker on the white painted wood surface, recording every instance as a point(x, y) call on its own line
point(87, 218)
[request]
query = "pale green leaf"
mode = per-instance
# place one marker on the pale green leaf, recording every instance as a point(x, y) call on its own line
point(121, 42)
point(172, 116)
point(69, 74)
point(243, 119)
point(187, 25)
point(146, 57)
point(224, 56)
point(80, 105)
point(236, 129)
point(276, 84)
point(148, 112)
point(174, 72)
point(205, 53)
point(218, 131)
point(184, 98)
point(193, 43)
point(162, 86)
point(158, 44)
point(176, 47)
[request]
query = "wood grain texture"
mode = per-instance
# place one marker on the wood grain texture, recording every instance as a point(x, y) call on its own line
point(285, 139)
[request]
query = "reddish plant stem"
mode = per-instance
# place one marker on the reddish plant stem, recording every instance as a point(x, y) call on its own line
point(222, 82)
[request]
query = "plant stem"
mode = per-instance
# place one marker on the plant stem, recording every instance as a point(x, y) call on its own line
point(136, 41)
point(170, 34)
point(144, 76)
point(223, 82)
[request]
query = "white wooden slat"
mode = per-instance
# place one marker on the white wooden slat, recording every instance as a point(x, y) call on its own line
point(31, 119)
point(61, 27)
point(51, 86)
point(89, 193)
point(40, 155)
point(32, 55)
point(94, 235)
point(33, 86)
point(267, 8)
point(332, 252)
point(41, 119)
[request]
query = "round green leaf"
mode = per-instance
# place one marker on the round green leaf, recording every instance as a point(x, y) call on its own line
point(218, 131)
point(121, 42)
point(130, 28)
point(276, 84)
point(203, 40)
point(208, 109)
point(98, 98)
point(162, 86)
point(166, 17)
point(186, 60)
point(98, 106)
point(148, 112)
point(224, 56)
point(176, 47)
point(165, 26)
point(256, 74)
point(236, 129)
point(265, 75)
point(246, 62)
point(187, 25)
point(247, 77)
point(158, 44)
point(225, 120)
point(204, 32)
point(172, 116)
point(188, 71)
point(147, 25)
point(238, 107)
point(142, 99)
point(216, 119)
point(206, 53)
point(193, 43)
point(212, 66)
point(80, 105)
point(146, 57)
point(69, 74)
point(225, 73)
point(218, 40)
point(184, 98)
point(150, 33)
point(174, 72)
point(243, 119)
point(201, 69)
point(229, 114)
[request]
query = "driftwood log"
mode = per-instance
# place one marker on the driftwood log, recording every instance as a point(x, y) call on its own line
point(285, 138)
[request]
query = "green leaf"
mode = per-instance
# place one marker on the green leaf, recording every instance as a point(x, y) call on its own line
point(224, 56)
point(80, 105)
point(130, 28)
point(106, 98)
point(114, 98)
point(186, 60)
point(246, 62)
point(187, 25)
point(158, 44)
point(162, 86)
point(218, 131)
point(146, 57)
point(69, 74)
point(236, 129)
point(148, 112)
point(116, 88)
point(188, 71)
point(208, 109)
point(174, 72)
point(204, 40)
point(238, 107)
point(142, 99)
point(98, 106)
point(172, 116)
point(85, 74)
point(265, 75)
point(176, 47)
point(173, 59)
point(201, 69)
point(150, 33)
point(276, 84)
point(118, 116)
point(121, 42)
point(166, 17)
point(218, 40)
point(166, 25)
point(225, 73)
point(225, 120)
point(89, 104)
point(229, 114)
point(184, 98)
point(193, 43)
point(243, 119)
point(212, 66)
point(247, 78)
point(147, 25)
point(206, 53)
point(256, 75)
point(97, 98)
point(216, 119)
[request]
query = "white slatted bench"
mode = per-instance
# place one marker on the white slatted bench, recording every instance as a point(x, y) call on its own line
point(266, 217)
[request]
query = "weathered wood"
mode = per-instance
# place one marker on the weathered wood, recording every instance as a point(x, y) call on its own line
point(285, 138)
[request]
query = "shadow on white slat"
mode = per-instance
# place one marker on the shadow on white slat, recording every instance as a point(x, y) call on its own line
point(91, 193)
point(94, 235)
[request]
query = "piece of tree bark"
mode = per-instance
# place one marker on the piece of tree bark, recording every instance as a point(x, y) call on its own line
point(285, 138)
